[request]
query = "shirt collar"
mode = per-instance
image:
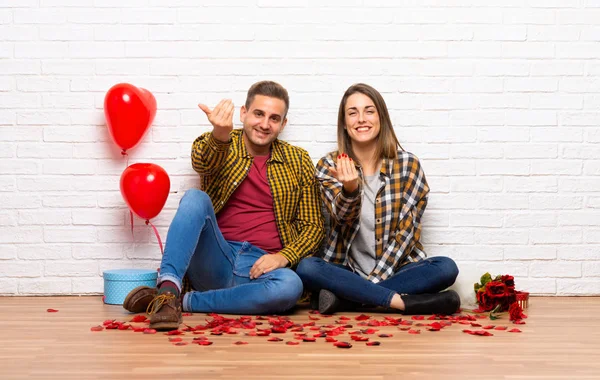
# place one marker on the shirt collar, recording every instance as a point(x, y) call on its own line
point(276, 150)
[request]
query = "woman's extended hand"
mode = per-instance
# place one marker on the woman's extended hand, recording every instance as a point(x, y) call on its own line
point(346, 173)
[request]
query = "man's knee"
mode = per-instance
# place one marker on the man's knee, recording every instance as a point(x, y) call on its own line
point(288, 288)
point(195, 199)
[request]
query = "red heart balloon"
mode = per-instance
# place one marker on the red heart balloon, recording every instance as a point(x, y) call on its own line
point(145, 188)
point(129, 112)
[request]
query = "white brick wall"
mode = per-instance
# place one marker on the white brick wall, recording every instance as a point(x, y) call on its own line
point(499, 99)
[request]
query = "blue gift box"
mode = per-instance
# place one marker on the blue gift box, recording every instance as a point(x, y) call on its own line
point(119, 282)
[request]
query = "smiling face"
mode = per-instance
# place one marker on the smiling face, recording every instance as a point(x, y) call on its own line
point(263, 121)
point(361, 119)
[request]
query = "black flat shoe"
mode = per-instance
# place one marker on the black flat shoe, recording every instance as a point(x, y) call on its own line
point(446, 303)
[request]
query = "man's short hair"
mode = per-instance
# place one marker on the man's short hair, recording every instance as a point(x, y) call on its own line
point(270, 89)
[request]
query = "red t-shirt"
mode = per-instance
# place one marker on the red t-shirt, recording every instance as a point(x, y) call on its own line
point(249, 215)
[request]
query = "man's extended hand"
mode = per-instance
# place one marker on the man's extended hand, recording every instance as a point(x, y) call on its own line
point(221, 118)
point(267, 263)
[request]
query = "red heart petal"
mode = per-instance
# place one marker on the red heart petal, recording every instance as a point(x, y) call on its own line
point(138, 318)
point(342, 345)
point(279, 330)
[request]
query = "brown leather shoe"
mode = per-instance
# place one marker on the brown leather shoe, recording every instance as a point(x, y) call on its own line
point(165, 312)
point(138, 299)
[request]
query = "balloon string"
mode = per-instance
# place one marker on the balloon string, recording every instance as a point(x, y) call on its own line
point(131, 219)
point(124, 154)
point(157, 236)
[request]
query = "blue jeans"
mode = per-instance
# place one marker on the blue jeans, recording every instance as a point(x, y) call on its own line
point(220, 268)
point(431, 275)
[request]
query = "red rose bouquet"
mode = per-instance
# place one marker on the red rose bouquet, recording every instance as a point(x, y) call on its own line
point(495, 294)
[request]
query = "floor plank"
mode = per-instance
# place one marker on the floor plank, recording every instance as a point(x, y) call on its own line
point(561, 340)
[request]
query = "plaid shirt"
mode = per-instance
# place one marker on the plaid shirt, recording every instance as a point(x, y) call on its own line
point(290, 172)
point(399, 206)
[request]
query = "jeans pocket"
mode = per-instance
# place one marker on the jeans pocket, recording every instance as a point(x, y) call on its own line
point(245, 259)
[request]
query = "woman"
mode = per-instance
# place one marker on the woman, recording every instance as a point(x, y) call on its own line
point(375, 193)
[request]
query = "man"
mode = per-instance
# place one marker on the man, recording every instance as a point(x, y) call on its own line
point(257, 216)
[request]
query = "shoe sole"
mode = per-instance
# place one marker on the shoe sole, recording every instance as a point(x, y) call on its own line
point(327, 302)
point(129, 296)
point(163, 326)
point(166, 325)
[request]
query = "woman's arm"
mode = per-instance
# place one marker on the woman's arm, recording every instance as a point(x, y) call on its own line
point(343, 206)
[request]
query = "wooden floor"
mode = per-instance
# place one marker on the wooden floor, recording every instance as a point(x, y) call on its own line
point(560, 340)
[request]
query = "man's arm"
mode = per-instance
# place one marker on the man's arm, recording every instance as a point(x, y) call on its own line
point(308, 223)
point(210, 150)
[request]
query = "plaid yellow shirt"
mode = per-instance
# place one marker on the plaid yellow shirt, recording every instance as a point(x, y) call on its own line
point(399, 206)
point(290, 172)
